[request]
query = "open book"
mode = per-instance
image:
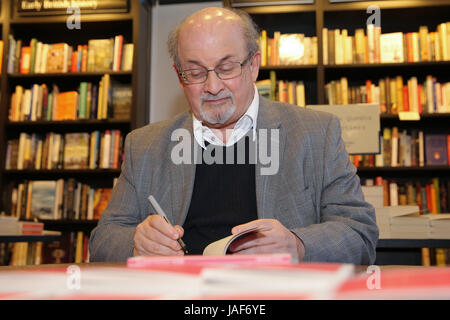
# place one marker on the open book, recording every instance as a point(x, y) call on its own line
point(220, 247)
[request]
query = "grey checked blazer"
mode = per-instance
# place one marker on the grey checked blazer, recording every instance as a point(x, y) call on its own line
point(316, 192)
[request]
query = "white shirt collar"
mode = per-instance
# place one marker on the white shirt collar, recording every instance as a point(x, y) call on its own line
point(241, 128)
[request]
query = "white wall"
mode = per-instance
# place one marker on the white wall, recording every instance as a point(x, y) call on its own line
point(166, 97)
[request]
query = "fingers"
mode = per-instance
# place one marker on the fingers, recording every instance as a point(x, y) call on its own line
point(252, 240)
point(154, 236)
point(260, 224)
point(271, 237)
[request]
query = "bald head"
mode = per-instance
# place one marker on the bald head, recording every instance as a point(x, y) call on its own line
point(211, 20)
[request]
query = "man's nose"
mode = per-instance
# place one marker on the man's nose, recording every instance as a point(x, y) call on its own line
point(213, 84)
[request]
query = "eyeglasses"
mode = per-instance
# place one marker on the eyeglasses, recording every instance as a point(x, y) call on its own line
point(225, 71)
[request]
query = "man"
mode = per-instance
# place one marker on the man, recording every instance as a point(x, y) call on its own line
point(312, 207)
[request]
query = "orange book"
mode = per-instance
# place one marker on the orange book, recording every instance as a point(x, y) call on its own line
point(366, 51)
point(405, 98)
point(119, 42)
point(272, 52)
point(101, 199)
point(369, 91)
point(379, 181)
point(356, 160)
point(116, 150)
point(73, 67)
point(85, 248)
point(25, 60)
point(67, 105)
point(433, 199)
point(386, 198)
point(84, 57)
point(399, 93)
point(409, 47)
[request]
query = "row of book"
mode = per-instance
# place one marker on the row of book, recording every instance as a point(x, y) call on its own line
point(57, 199)
point(431, 195)
point(292, 92)
point(372, 46)
point(95, 150)
point(98, 55)
point(72, 248)
point(287, 49)
point(393, 94)
point(439, 257)
point(89, 101)
point(408, 148)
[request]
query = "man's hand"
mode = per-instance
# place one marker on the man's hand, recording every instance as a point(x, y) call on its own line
point(272, 237)
point(154, 236)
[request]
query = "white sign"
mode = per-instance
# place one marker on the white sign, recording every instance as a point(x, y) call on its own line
point(360, 125)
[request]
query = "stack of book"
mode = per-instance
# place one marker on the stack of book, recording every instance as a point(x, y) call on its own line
point(406, 222)
point(373, 46)
point(408, 148)
point(77, 150)
point(432, 196)
point(98, 55)
point(102, 100)
point(12, 226)
point(439, 226)
point(58, 199)
point(393, 94)
point(8, 225)
point(292, 92)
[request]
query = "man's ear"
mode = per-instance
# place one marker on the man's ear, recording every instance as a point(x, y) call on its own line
point(255, 64)
point(178, 74)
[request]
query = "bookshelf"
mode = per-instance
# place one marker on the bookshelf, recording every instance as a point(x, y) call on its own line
point(29, 238)
point(396, 16)
point(133, 23)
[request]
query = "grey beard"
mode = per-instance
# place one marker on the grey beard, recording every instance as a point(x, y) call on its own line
point(214, 117)
point(218, 118)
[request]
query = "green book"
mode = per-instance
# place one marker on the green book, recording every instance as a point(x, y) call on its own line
point(82, 102)
point(49, 107)
point(33, 45)
point(273, 85)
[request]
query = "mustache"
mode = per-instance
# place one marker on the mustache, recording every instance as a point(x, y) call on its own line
point(209, 96)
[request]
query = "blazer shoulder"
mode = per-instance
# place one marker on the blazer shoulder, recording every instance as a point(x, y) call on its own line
point(159, 131)
point(300, 116)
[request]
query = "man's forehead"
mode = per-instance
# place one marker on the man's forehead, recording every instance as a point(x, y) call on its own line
point(212, 14)
point(210, 18)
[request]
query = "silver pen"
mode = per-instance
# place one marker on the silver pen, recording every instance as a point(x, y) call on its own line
point(161, 212)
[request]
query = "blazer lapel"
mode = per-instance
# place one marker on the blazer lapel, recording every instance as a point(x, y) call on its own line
point(269, 120)
point(182, 178)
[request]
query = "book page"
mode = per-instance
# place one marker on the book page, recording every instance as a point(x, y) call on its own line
point(220, 247)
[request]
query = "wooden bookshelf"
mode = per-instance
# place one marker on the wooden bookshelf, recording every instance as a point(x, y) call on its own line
point(29, 238)
point(135, 25)
point(413, 243)
point(396, 16)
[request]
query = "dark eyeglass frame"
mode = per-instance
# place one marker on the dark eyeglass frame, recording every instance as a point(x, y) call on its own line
point(183, 76)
